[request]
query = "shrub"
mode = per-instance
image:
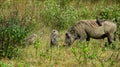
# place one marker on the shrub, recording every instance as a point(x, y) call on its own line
point(57, 16)
point(84, 51)
point(13, 32)
point(5, 65)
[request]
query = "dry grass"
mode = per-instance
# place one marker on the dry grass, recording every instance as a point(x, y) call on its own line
point(44, 56)
point(41, 55)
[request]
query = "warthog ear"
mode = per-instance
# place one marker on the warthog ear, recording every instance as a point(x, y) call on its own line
point(67, 35)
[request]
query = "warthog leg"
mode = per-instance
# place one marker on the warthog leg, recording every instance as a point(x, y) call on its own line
point(83, 35)
point(110, 38)
point(88, 39)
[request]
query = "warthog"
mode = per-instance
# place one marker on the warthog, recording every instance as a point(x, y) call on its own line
point(54, 37)
point(86, 29)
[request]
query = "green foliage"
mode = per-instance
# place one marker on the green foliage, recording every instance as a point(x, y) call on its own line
point(13, 32)
point(83, 50)
point(84, 13)
point(5, 65)
point(22, 64)
point(88, 52)
point(51, 12)
point(63, 14)
point(58, 14)
point(112, 13)
point(58, 17)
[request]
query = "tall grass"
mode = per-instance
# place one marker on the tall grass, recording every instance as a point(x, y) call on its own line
point(62, 14)
point(20, 18)
point(14, 30)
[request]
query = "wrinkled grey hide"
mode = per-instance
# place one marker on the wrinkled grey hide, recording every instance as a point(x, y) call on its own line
point(86, 29)
point(54, 38)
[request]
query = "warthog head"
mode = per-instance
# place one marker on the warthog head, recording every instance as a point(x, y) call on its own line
point(70, 37)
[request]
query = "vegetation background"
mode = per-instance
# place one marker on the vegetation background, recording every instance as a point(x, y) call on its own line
point(21, 18)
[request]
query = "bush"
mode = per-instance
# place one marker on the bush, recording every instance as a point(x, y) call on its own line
point(5, 65)
point(58, 15)
point(13, 32)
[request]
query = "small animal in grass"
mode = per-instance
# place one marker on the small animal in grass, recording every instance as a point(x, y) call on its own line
point(54, 38)
point(31, 39)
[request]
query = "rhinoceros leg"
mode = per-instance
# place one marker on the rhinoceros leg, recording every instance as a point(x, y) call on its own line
point(110, 38)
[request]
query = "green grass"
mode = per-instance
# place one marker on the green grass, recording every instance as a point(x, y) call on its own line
point(62, 14)
point(81, 54)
